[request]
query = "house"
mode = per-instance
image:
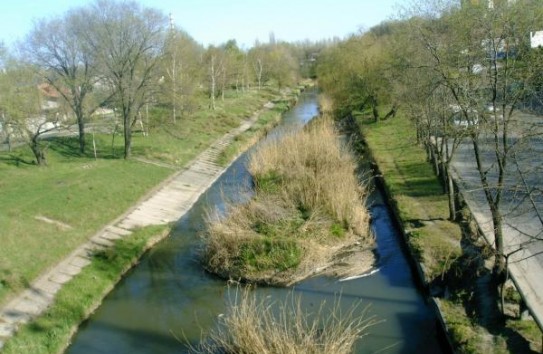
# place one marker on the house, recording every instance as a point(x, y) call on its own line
point(50, 97)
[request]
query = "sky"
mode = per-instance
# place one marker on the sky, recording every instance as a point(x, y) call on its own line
point(216, 21)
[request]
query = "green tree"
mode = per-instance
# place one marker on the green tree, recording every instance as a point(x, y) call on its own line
point(21, 113)
point(182, 72)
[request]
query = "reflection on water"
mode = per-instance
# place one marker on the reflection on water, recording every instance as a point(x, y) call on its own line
point(168, 300)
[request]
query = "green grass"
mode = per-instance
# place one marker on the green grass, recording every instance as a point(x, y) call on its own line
point(270, 253)
point(416, 192)
point(265, 122)
point(82, 194)
point(51, 332)
point(462, 331)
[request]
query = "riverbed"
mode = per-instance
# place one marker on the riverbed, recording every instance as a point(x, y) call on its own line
point(168, 300)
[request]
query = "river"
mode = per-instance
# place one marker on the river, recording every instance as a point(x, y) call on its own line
point(167, 300)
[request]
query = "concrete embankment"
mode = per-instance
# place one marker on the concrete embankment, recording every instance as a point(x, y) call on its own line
point(417, 267)
point(165, 204)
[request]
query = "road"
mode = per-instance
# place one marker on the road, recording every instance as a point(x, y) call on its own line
point(70, 130)
point(523, 226)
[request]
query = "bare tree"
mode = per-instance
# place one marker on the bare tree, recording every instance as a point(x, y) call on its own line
point(127, 41)
point(182, 72)
point(214, 60)
point(483, 60)
point(56, 48)
point(258, 58)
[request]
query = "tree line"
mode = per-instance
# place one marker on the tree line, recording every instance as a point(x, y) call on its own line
point(123, 56)
point(461, 71)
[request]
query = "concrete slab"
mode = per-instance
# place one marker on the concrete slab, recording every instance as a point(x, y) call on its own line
point(39, 296)
point(100, 241)
point(80, 261)
point(117, 230)
point(70, 269)
point(14, 317)
point(49, 287)
point(7, 329)
point(29, 308)
point(60, 278)
point(525, 266)
point(111, 236)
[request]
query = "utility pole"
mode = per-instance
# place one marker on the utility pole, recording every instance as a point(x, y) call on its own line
point(174, 55)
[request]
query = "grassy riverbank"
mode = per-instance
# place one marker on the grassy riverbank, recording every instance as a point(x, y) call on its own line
point(51, 332)
point(267, 119)
point(445, 261)
point(47, 212)
point(307, 210)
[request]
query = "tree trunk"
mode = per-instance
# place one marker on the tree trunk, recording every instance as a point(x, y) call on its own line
point(375, 112)
point(259, 74)
point(497, 221)
point(451, 195)
point(38, 151)
point(212, 94)
point(223, 86)
point(391, 113)
point(127, 138)
point(494, 204)
point(81, 127)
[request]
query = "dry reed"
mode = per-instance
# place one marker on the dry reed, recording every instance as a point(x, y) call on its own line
point(308, 206)
point(317, 171)
point(261, 326)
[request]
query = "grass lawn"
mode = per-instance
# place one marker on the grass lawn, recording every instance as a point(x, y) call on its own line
point(417, 194)
point(78, 195)
point(434, 241)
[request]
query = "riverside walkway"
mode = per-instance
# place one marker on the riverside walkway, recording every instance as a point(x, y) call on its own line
point(522, 226)
point(166, 203)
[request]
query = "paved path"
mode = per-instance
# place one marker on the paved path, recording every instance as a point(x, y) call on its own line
point(522, 228)
point(167, 203)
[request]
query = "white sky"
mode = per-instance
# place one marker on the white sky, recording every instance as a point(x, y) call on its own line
point(216, 21)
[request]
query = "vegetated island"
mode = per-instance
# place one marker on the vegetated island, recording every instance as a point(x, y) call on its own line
point(307, 215)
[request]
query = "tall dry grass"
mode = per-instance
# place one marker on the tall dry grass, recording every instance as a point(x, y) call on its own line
point(261, 326)
point(308, 205)
point(316, 171)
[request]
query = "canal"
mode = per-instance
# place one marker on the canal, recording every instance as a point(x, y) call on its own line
point(168, 300)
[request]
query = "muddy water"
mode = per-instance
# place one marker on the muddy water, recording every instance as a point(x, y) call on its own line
point(168, 300)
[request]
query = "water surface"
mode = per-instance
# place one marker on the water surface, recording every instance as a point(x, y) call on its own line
point(168, 300)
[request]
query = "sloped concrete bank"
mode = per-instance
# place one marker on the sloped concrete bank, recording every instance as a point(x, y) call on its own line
point(163, 205)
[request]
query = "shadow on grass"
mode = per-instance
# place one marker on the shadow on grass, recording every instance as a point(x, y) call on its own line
point(14, 160)
point(68, 147)
point(471, 285)
point(422, 187)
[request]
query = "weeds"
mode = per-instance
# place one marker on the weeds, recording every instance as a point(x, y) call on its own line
point(262, 326)
point(308, 204)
